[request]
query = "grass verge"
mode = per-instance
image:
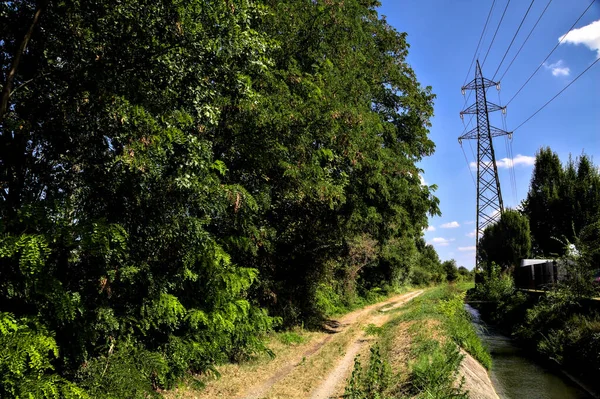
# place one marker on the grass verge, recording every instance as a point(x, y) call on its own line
point(420, 348)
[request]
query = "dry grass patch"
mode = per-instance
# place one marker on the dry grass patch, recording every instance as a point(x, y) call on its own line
point(237, 378)
point(309, 374)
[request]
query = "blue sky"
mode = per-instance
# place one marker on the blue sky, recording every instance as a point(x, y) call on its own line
point(443, 36)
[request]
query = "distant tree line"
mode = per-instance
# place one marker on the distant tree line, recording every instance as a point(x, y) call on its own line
point(177, 178)
point(561, 211)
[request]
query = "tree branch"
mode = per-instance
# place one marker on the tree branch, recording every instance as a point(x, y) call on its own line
point(15, 65)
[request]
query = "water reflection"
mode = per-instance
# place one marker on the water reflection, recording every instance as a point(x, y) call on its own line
point(516, 376)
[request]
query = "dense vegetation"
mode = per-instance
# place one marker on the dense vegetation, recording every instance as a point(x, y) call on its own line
point(562, 211)
point(178, 177)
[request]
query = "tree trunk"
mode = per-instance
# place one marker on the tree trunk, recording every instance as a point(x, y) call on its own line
point(15, 65)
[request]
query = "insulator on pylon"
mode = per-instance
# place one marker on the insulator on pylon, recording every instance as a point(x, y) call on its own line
point(460, 141)
point(510, 136)
point(462, 91)
point(498, 86)
point(462, 116)
point(504, 110)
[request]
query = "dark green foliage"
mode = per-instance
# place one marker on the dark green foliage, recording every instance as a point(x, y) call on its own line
point(507, 241)
point(465, 273)
point(450, 269)
point(562, 201)
point(563, 209)
point(173, 170)
point(542, 203)
point(429, 268)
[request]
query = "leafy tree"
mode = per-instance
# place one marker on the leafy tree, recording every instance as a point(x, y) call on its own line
point(172, 170)
point(561, 201)
point(464, 272)
point(110, 187)
point(450, 269)
point(507, 241)
point(328, 150)
point(542, 203)
point(429, 267)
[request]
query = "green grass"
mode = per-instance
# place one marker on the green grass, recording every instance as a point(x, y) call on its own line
point(372, 329)
point(290, 338)
point(446, 304)
point(440, 326)
point(435, 369)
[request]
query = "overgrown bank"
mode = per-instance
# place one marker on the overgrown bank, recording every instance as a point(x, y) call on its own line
point(559, 325)
point(419, 352)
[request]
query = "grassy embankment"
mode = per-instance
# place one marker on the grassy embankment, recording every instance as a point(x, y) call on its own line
point(418, 351)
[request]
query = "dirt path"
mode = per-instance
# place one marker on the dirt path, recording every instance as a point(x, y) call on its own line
point(334, 384)
point(321, 370)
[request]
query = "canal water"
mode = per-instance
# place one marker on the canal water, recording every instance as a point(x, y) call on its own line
point(514, 375)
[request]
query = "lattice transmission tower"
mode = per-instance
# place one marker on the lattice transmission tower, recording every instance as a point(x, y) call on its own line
point(489, 196)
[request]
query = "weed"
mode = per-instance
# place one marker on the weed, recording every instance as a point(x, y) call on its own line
point(290, 338)
point(372, 329)
point(435, 370)
point(372, 382)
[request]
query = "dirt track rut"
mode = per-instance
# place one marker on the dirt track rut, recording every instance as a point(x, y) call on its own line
point(329, 385)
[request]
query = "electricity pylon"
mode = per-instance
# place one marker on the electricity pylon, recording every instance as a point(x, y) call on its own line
point(489, 197)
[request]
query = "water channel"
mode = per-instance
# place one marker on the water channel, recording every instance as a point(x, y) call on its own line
point(515, 375)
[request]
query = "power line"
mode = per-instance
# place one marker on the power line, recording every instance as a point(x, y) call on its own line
point(479, 43)
point(468, 166)
point(548, 56)
point(557, 94)
point(495, 33)
point(527, 38)
point(509, 154)
point(513, 39)
point(476, 49)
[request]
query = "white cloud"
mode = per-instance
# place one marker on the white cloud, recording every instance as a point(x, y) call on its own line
point(423, 182)
point(430, 228)
point(472, 234)
point(451, 225)
point(442, 242)
point(494, 214)
point(558, 68)
point(506, 163)
point(588, 35)
point(466, 249)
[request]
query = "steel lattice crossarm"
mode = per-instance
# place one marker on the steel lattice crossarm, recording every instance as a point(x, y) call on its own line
point(494, 131)
point(476, 83)
point(491, 107)
point(489, 196)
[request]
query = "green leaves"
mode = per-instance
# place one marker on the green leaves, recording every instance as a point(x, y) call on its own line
point(171, 169)
point(30, 250)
